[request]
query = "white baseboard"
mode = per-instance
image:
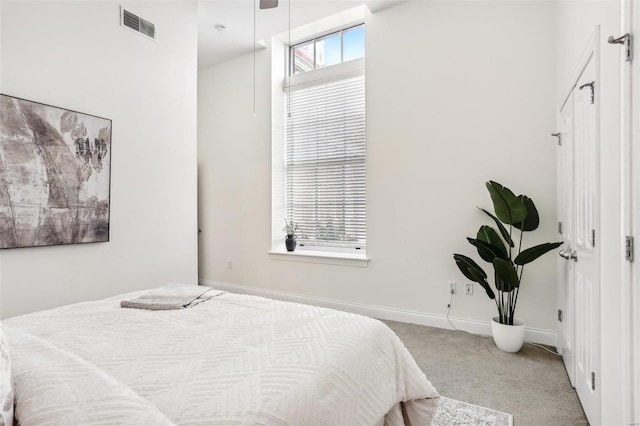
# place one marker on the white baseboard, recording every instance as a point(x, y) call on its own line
point(534, 335)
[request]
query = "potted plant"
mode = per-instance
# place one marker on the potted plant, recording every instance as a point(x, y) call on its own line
point(498, 249)
point(290, 228)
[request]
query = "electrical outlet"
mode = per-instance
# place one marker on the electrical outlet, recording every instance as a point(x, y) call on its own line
point(229, 264)
point(452, 287)
point(468, 289)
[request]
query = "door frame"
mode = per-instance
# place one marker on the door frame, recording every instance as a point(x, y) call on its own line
point(565, 290)
point(630, 191)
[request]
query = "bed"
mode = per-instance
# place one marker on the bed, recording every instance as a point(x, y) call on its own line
point(234, 359)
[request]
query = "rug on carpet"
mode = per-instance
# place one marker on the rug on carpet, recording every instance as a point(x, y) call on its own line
point(452, 412)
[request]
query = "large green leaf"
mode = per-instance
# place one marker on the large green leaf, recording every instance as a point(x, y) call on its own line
point(483, 282)
point(489, 235)
point(487, 251)
point(501, 228)
point(502, 285)
point(474, 272)
point(532, 220)
point(531, 254)
point(509, 208)
point(507, 273)
point(465, 264)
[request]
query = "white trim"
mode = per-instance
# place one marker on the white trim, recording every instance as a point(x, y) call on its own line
point(630, 191)
point(534, 335)
point(589, 51)
point(334, 23)
point(341, 71)
point(329, 258)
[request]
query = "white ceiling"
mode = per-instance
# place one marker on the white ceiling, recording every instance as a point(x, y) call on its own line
point(237, 16)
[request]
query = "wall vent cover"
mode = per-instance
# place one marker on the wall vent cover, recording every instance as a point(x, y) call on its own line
point(137, 24)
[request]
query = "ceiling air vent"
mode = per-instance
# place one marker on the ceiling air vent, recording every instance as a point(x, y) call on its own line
point(137, 24)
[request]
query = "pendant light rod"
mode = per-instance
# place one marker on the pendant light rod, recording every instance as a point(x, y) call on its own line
point(290, 70)
point(254, 57)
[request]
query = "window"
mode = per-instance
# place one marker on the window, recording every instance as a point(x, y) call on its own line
point(325, 142)
point(334, 48)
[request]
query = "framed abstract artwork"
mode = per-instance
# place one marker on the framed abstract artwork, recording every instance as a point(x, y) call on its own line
point(55, 173)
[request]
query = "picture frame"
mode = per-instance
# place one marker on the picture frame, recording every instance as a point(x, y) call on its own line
point(55, 175)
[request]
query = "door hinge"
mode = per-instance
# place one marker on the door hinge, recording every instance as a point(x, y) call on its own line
point(560, 228)
point(627, 41)
point(560, 315)
point(628, 248)
point(593, 238)
point(559, 136)
point(590, 85)
point(593, 381)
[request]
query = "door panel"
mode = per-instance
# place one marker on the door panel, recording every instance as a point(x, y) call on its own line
point(586, 269)
point(578, 269)
point(565, 217)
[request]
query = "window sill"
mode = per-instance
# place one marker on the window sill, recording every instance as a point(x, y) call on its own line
point(329, 258)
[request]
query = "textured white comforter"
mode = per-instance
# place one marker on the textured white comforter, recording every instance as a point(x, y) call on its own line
point(235, 359)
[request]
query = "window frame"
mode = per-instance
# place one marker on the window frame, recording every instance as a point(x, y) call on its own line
point(339, 71)
point(315, 39)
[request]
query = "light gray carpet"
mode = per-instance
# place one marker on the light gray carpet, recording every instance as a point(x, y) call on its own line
point(532, 385)
point(458, 413)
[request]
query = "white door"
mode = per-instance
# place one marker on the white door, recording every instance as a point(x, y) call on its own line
point(586, 250)
point(565, 230)
point(578, 210)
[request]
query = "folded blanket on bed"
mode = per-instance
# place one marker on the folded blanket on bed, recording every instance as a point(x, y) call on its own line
point(171, 297)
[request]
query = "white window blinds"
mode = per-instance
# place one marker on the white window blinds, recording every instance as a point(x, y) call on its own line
point(325, 172)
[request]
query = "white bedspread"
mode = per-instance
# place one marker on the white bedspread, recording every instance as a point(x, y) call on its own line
point(235, 359)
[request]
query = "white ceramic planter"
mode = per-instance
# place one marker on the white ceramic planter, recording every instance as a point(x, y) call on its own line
point(508, 338)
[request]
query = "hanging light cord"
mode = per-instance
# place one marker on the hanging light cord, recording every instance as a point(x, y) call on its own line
point(290, 70)
point(254, 57)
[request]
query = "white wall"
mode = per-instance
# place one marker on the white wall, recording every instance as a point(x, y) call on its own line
point(76, 55)
point(576, 23)
point(457, 93)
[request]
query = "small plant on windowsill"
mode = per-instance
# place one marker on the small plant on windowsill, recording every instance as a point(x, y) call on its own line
point(290, 228)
